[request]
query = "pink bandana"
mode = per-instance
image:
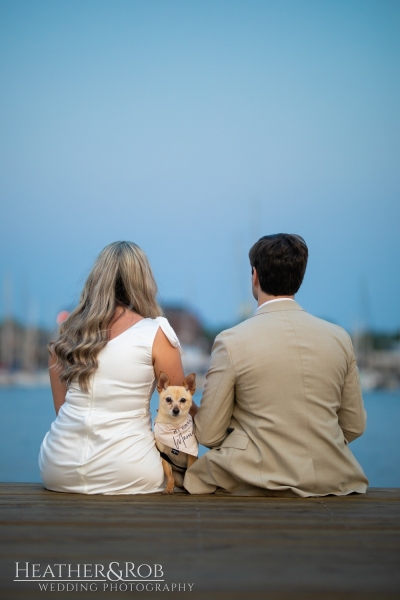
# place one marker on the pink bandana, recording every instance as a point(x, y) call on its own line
point(181, 439)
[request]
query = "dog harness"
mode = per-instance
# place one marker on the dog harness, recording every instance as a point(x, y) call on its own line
point(180, 439)
point(175, 458)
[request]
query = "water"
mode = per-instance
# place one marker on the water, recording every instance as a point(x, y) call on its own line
point(26, 414)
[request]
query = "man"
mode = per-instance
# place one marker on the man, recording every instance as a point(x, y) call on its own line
point(282, 399)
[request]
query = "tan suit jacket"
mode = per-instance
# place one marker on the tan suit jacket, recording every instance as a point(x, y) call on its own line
point(287, 384)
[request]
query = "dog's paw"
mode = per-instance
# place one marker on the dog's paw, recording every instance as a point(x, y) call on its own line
point(168, 490)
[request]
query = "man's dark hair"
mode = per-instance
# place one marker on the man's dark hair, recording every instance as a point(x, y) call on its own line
point(280, 261)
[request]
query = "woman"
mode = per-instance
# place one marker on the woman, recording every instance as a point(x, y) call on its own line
point(103, 369)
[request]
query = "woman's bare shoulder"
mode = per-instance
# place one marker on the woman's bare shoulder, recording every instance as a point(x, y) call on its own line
point(122, 321)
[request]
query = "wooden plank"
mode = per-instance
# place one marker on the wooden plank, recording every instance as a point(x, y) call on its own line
point(226, 547)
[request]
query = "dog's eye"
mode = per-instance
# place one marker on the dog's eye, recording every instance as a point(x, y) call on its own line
point(183, 400)
point(169, 400)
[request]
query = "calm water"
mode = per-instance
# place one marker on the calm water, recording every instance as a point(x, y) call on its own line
point(26, 414)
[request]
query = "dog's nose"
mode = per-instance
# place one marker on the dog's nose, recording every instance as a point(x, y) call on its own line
point(175, 411)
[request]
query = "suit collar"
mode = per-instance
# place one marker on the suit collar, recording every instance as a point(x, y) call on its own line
point(278, 306)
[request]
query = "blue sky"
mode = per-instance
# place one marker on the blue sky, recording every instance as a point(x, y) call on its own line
point(193, 128)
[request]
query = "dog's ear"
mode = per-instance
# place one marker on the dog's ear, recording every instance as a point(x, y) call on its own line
point(163, 381)
point(189, 383)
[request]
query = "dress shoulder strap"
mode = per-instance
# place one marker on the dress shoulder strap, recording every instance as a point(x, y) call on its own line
point(169, 332)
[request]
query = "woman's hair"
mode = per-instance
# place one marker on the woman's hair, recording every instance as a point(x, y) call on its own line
point(121, 276)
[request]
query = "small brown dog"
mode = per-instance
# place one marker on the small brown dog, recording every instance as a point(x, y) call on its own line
point(173, 429)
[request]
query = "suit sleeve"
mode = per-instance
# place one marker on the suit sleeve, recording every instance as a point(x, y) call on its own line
point(351, 414)
point(214, 415)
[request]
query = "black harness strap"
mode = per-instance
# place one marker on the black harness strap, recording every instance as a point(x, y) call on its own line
point(167, 458)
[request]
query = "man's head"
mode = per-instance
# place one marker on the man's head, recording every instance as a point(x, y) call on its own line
point(280, 261)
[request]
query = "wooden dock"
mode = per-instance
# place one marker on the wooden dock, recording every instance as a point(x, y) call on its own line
point(226, 548)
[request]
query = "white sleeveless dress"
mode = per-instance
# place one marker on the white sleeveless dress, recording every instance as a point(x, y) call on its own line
point(102, 442)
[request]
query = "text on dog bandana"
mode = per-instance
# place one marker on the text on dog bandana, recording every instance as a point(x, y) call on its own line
point(181, 438)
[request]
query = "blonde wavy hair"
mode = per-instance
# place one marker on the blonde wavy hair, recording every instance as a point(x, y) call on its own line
point(121, 276)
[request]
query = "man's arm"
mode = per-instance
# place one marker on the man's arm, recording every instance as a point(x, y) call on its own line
point(215, 411)
point(351, 414)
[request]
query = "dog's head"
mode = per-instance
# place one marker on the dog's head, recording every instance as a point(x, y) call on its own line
point(175, 400)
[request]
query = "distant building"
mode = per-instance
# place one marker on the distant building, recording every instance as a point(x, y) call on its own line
point(187, 325)
point(22, 347)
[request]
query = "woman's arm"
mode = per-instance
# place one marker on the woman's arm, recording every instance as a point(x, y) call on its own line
point(58, 388)
point(166, 358)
